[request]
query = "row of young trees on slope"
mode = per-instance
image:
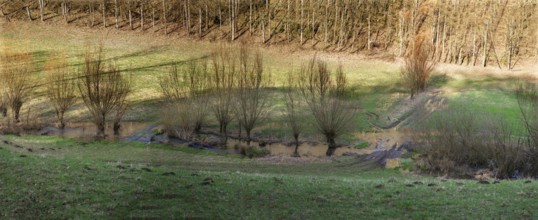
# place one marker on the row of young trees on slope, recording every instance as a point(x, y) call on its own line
point(482, 32)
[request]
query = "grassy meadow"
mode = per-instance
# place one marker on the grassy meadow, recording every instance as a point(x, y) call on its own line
point(55, 178)
point(47, 177)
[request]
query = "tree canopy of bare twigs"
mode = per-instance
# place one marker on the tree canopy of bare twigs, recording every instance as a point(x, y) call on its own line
point(418, 67)
point(252, 98)
point(325, 97)
point(102, 88)
point(17, 81)
point(294, 109)
point(61, 87)
point(186, 90)
point(223, 84)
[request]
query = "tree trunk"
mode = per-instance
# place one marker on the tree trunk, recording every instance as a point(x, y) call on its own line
point(402, 26)
point(130, 15)
point(101, 126)
point(28, 13)
point(164, 18)
point(369, 34)
point(332, 146)
point(296, 151)
point(206, 17)
point(188, 15)
point(302, 17)
point(268, 9)
point(64, 11)
point(61, 121)
point(117, 127)
point(16, 109)
point(486, 48)
point(92, 15)
point(4, 112)
point(116, 13)
point(142, 16)
point(42, 9)
point(220, 18)
point(104, 13)
point(288, 32)
point(232, 19)
point(327, 22)
point(200, 22)
point(250, 17)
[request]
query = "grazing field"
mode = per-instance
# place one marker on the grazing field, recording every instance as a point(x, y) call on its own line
point(44, 177)
point(58, 178)
point(374, 83)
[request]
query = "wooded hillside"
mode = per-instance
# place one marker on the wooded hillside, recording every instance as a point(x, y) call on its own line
point(481, 32)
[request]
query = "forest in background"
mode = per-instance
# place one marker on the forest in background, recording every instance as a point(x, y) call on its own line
point(478, 33)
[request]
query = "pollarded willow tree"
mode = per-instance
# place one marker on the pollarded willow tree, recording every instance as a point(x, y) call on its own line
point(17, 81)
point(294, 111)
point(223, 84)
point(103, 88)
point(252, 97)
point(186, 90)
point(60, 87)
point(325, 95)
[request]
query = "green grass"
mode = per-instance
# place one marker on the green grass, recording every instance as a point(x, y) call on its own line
point(129, 180)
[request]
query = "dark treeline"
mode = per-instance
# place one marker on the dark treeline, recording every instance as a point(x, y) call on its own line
point(478, 33)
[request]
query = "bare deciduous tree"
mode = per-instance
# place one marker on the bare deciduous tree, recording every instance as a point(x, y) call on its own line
point(418, 67)
point(293, 112)
point(103, 89)
point(333, 115)
point(223, 82)
point(15, 72)
point(252, 98)
point(60, 87)
point(189, 86)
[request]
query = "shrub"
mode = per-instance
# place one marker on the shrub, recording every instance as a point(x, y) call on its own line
point(254, 152)
point(178, 121)
point(418, 66)
point(460, 140)
point(189, 82)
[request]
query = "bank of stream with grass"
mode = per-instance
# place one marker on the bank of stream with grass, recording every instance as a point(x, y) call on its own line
point(47, 177)
point(142, 174)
